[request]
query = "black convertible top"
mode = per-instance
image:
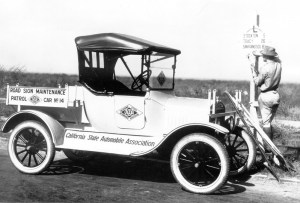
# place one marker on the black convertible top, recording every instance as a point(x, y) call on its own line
point(113, 42)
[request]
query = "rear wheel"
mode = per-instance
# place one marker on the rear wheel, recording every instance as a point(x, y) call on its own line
point(78, 155)
point(199, 163)
point(242, 151)
point(30, 147)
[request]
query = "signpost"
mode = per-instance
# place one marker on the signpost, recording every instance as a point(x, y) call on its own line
point(253, 41)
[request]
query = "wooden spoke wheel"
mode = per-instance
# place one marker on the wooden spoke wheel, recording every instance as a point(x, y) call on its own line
point(199, 162)
point(30, 147)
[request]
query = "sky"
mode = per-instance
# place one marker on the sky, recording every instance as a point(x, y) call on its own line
point(39, 34)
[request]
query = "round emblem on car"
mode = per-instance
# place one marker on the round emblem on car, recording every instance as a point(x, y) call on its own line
point(129, 112)
point(34, 99)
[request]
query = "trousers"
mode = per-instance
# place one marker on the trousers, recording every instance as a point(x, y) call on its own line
point(268, 104)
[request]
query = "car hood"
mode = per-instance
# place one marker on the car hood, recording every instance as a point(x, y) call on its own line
point(183, 110)
point(188, 110)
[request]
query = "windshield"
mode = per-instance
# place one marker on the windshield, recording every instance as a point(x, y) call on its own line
point(162, 71)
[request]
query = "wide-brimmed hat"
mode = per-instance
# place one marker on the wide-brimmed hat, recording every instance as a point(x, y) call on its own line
point(267, 51)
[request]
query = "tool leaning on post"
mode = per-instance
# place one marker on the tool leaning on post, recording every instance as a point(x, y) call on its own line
point(250, 123)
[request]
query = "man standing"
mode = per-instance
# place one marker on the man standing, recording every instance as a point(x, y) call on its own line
point(267, 79)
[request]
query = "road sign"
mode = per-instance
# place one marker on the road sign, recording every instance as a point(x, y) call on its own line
point(254, 39)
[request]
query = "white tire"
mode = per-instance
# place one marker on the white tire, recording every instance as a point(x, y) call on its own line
point(199, 163)
point(30, 147)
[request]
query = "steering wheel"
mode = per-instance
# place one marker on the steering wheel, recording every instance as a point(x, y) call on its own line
point(141, 80)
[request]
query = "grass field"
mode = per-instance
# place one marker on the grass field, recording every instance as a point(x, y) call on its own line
point(289, 108)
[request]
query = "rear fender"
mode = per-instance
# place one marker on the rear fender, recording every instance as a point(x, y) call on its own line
point(55, 128)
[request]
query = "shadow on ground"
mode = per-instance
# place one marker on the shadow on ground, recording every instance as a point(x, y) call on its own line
point(135, 169)
point(117, 167)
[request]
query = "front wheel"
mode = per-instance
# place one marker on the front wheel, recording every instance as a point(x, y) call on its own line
point(199, 163)
point(242, 151)
point(30, 147)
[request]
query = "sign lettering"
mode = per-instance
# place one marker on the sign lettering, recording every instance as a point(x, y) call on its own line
point(33, 96)
point(254, 39)
point(93, 137)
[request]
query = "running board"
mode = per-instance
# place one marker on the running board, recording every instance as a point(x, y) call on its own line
point(278, 157)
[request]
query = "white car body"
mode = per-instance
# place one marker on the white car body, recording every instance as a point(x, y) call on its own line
point(117, 124)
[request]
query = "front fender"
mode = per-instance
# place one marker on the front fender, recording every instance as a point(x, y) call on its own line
point(177, 132)
point(55, 128)
point(213, 126)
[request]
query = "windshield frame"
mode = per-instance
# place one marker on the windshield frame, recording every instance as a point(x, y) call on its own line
point(110, 59)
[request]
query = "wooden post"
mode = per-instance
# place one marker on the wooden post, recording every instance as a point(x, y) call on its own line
point(253, 88)
point(254, 108)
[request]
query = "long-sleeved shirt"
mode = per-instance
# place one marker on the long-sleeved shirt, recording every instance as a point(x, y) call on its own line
point(268, 77)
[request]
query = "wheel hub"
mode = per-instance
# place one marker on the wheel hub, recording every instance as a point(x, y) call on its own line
point(231, 150)
point(32, 149)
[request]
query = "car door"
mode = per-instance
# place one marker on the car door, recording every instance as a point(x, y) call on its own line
point(129, 111)
point(109, 113)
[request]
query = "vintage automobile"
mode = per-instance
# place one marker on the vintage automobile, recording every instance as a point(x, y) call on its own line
point(125, 104)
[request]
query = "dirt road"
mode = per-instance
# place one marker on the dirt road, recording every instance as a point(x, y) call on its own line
point(121, 179)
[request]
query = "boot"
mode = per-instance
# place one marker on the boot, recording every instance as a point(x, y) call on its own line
point(268, 131)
